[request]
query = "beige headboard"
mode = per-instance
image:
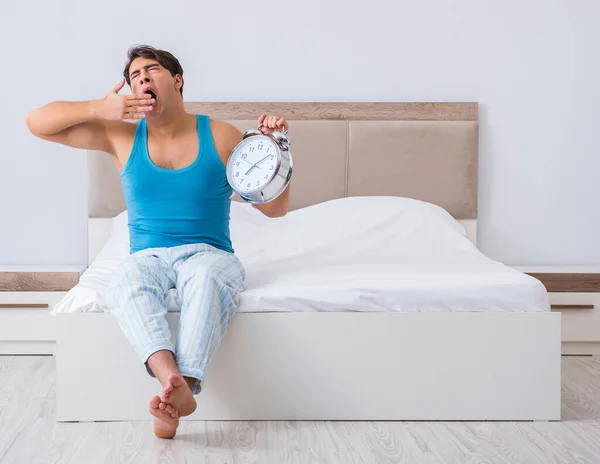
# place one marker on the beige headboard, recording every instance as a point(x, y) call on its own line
point(427, 151)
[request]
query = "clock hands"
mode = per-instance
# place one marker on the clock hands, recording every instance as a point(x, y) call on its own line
point(255, 165)
point(250, 170)
point(252, 167)
point(263, 159)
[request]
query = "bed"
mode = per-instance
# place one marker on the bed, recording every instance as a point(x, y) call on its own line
point(368, 301)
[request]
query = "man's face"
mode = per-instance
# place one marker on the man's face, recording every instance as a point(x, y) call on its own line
point(148, 76)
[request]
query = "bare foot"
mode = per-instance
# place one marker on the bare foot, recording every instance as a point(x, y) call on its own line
point(166, 418)
point(177, 394)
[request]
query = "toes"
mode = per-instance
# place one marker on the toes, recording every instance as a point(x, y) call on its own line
point(154, 402)
point(168, 409)
point(170, 416)
point(160, 414)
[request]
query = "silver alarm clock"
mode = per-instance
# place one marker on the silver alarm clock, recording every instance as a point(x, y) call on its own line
point(260, 166)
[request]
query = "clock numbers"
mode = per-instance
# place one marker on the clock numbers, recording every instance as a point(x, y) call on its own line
point(258, 160)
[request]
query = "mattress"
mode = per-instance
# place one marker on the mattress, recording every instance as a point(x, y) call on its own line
point(351, 254)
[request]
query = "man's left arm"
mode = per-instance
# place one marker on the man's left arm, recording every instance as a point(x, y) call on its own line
point(277, 207)
point(227, 136)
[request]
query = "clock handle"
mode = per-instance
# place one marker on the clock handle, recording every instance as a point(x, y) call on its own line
point(285, 133)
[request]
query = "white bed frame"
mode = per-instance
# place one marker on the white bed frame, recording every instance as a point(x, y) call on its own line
point(328, 366)
point(343, 365)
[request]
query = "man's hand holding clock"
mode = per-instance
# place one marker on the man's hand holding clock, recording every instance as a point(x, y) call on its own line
point(270, 123)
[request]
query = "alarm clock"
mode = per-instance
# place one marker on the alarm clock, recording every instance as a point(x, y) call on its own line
point(260, 166)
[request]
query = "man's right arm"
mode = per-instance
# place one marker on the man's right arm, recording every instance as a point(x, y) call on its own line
point(76, 124)
point(89, 125)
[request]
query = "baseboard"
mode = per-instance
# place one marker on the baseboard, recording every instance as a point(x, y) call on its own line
point(27, 347)
point(580, 348)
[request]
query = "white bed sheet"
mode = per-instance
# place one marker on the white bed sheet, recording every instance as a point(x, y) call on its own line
point(351, 254)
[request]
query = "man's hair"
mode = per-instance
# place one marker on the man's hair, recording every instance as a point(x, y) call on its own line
point(164, 58)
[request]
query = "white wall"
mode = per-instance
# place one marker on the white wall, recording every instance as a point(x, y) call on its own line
point(532, 66)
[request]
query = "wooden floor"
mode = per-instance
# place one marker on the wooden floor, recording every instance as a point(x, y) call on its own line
point(29, 434)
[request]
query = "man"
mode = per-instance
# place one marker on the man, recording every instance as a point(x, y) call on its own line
point(172, 167)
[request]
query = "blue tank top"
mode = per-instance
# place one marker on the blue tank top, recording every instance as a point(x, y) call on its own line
point(171, 207)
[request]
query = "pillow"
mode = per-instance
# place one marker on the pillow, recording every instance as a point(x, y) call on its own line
point(117, 245)
point(252, 233)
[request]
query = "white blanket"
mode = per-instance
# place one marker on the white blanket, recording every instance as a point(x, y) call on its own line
point(351, 254)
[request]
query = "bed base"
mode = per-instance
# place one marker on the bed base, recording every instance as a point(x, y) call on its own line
point(330, 366)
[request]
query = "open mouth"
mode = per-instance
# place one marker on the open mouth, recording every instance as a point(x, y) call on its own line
point(151, 92)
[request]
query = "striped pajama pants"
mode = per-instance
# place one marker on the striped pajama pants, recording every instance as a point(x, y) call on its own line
point(208, 282)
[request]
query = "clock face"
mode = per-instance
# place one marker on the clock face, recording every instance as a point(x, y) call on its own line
point(253, 164)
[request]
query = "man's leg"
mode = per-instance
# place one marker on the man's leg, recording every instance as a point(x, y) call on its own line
point(136, 297)
point(209, 283)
